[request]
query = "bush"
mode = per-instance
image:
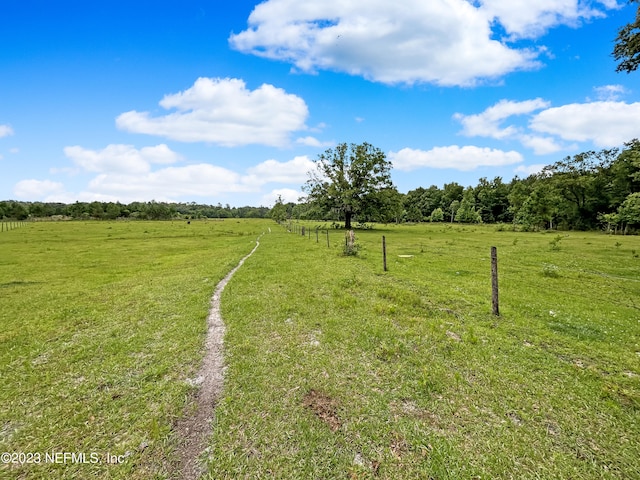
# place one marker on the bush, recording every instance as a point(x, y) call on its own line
point(550, 270)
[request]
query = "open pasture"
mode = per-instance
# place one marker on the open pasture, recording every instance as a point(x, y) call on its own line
point(340, 370)
point(335, 369)
point(102, 326)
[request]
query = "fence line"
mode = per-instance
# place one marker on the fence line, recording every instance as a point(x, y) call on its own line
point(495, 304)
point(5, 226)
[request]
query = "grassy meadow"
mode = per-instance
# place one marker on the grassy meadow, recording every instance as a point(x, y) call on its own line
point(335, 369)
point(102, 326)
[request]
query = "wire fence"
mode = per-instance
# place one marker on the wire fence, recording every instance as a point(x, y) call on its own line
point(8, 225)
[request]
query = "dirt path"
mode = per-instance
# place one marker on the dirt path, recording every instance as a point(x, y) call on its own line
point(194, 430)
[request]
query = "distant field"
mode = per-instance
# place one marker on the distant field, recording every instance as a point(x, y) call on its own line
point(336, 369)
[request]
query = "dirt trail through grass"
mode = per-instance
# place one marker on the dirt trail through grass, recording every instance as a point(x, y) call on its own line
point(194, 430)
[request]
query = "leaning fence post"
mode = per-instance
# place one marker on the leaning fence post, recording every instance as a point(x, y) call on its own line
point(384, 254)
point(494, 281)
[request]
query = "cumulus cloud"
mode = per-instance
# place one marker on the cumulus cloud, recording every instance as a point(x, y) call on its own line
point(312, 142)
point(125, 173)
point(224, 112)
point(37, 189)
point(609, 93)
point(488, 123)
point(459, 158)
point(445, 42)
point(606, 124)
point(171, 182)
point(531, 19)
point(287, 194)
point(272, 171)
point(540, 145)
point(121, 158)
point(5, 131)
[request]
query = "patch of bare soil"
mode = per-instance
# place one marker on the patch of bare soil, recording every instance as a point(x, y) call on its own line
point(324, 407)
point(194, 430)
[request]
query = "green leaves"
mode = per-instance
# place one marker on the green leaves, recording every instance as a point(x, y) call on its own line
point(348, 178)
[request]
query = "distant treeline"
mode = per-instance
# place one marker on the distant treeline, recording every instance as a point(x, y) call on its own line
point(591, 190)
point(12, 209)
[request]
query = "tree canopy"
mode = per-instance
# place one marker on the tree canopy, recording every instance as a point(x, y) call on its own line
point(627, 47)
point(349, 180)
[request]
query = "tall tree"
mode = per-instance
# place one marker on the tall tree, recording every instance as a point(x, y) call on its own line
point(279, 211)
point(627, 47)
point(347, 179)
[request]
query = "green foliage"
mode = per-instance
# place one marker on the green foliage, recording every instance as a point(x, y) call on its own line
point(467, 213)
point(348, 179)
point(555, 243)
point(550, 270)
point(279, 211)
point(629, 211)
point(437, 215)
point(627, 47)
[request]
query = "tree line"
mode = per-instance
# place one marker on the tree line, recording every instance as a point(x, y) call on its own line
point(153, 210)
point(590, 190)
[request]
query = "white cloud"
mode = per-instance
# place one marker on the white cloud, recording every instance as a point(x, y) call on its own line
point(487, 123)
point(121, 158)
point(446, 42)
point(224, 112)
point(531, 19)
point(606, 124)
point(609, 93)
point(124, 173)
point(540, 145)
point(5, 131)
point(313, 142)
point(169, 183)
point(37, 189)
point(527, 170)
point(287, 194)
point(455, 157)
point(14, 150)
point(272, 171)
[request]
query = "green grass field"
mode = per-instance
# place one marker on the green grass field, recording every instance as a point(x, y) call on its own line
point(336, 369)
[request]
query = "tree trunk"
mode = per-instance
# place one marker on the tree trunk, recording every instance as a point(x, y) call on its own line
point(347, 220)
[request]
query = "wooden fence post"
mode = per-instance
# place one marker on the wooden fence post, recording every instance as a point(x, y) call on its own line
point(327, 238)
point(384, 254)
point(317, 238)
point(303, 232)
point(494, 281)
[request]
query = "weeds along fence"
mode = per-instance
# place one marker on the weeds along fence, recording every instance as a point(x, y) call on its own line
point(351, 248)
point(5, 226)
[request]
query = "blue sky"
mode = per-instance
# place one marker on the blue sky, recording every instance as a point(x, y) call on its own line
point(230, 102)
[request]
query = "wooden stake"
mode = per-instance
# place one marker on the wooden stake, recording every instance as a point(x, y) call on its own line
point(384, 254)
point(494, 281)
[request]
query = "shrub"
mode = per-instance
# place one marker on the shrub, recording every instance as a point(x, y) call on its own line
point(550, 270)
